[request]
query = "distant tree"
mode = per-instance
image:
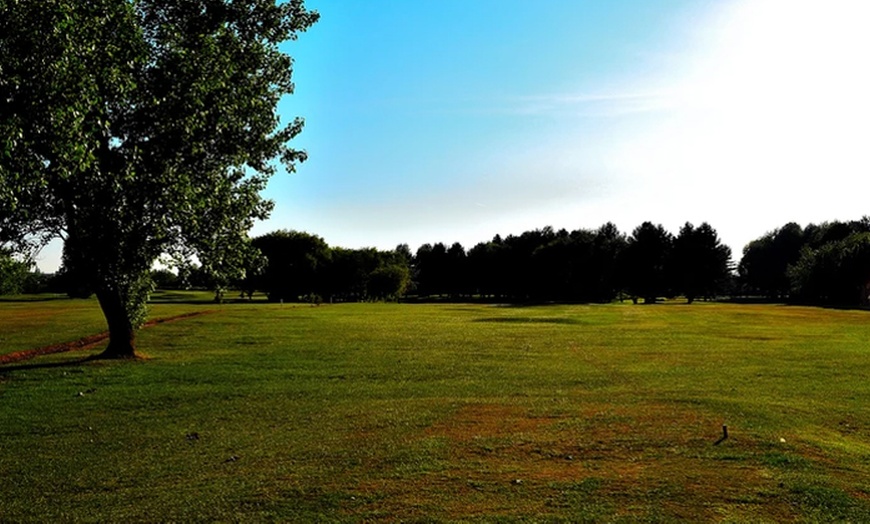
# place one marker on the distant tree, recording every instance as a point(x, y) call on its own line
point(341, 279)
point(559, 270)
point(36, 282)
point(14, 274)
point(455, 278)
point(432, 268)
point(388, 282)
point(608, 245)
point(349, 273)
point(485, 268)
point(404, 254)
point(838, 272)
point(296, 264)
point(522, 276)
point(137, 128)
point(250, 275)
point(815, 236)
point(164, 279)
point(405, 257)
point(700, 262)
point(764, 266)
point(645, 261)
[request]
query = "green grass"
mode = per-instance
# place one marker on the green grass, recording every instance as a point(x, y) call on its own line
point(28, 322)
point(443, 413)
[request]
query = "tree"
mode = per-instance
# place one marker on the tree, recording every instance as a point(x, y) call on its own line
point(522, 278)
point(645, 261)
point(68, 281)
point(765, 261)
point(487, 272)
point(388, 282)
point(700, 263)
point(137, 129)
point(838, 272)
point(432, 267)
point(609, 243)
point(14, 274)
point(558, 267)
point(816, 236)
point(164, 279)
point(295, 264)
point(456, 271)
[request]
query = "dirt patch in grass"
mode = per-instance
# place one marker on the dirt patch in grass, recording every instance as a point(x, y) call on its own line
point(606, 461)
point(477, 421)
point(85, 342)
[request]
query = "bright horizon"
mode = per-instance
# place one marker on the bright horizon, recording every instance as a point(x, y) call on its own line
point(454, 121)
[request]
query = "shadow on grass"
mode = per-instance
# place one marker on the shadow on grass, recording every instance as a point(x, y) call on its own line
point(48, 365)
point(191, 302)
point(786, 302)
point(529, 320)
point(182, 299)
point(33, 298)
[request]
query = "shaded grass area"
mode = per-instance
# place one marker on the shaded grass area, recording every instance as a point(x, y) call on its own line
point(28, 322)
point(444, 413)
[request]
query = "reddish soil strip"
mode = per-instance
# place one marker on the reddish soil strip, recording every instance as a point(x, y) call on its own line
point(504, 460)
point(86, 342)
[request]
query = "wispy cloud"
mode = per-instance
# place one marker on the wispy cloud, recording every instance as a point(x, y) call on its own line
point(590, 104)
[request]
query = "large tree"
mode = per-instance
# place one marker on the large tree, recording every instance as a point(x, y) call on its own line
point(137, 128)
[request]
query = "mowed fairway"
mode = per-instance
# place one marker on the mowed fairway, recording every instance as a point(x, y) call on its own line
point(446, 413)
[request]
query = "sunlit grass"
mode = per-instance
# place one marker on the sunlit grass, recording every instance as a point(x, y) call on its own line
point(365, 412)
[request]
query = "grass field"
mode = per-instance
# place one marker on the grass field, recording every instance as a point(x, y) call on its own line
point(441, 413)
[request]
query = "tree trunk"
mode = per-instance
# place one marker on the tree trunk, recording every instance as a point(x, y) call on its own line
point(121, 332)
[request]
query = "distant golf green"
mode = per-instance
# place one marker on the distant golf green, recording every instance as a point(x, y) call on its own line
point(440, 413)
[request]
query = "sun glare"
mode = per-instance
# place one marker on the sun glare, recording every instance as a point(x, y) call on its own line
point(790, 77)
point(773, 114)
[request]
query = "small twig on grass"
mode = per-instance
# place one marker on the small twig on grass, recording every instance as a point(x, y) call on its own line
point(723, 437)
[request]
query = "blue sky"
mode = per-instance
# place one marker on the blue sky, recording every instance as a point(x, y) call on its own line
point(455, 120)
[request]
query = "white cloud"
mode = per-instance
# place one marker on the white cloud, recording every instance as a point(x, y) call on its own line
point(602, 104)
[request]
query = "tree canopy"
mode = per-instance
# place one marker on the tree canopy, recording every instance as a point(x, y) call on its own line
point(581, 265)
point(827, 263)
point(300, 266)
point(645, 262)
point(701, 262)
point(138, 129)
point(13, 274)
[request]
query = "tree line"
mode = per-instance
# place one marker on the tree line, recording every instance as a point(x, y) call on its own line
point(540, 265)
point(826, 263)
point(582, 265)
